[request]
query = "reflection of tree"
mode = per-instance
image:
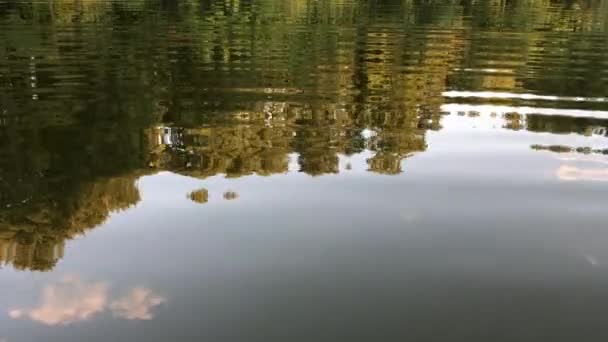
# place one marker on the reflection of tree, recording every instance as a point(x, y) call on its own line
point(199, 196)
point(566, 125)
point(213, 87)
point(32, 235)
point(246, 147)
point(392, 146)
point(569, 149)
point(56, 183)
point(317, 150)
point(540, 57)
point(236, 150)
point(230, 195)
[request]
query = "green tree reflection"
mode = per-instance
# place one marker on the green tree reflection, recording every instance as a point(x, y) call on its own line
point(94, 94)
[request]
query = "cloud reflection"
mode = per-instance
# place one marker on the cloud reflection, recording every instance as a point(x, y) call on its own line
point(68, 301)
point(74, 300)
point(572, 173)
point(138, 304)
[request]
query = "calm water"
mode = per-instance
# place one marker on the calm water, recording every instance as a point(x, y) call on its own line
point(286, 170)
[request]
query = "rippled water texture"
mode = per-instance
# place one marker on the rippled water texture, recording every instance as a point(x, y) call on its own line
point(274, 170)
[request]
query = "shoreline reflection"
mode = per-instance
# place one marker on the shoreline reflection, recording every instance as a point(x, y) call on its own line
point(56, 202)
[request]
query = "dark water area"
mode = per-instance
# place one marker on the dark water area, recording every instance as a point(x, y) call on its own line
point(206, 170)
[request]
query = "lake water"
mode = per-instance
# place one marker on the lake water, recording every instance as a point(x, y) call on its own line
point(299, 170)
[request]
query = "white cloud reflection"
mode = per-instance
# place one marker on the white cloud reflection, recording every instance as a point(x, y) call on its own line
point(72, 300)
point(68, 301)
point(137, 304)
point(572, 173)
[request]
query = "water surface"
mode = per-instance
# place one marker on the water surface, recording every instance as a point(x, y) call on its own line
point(287, 170)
